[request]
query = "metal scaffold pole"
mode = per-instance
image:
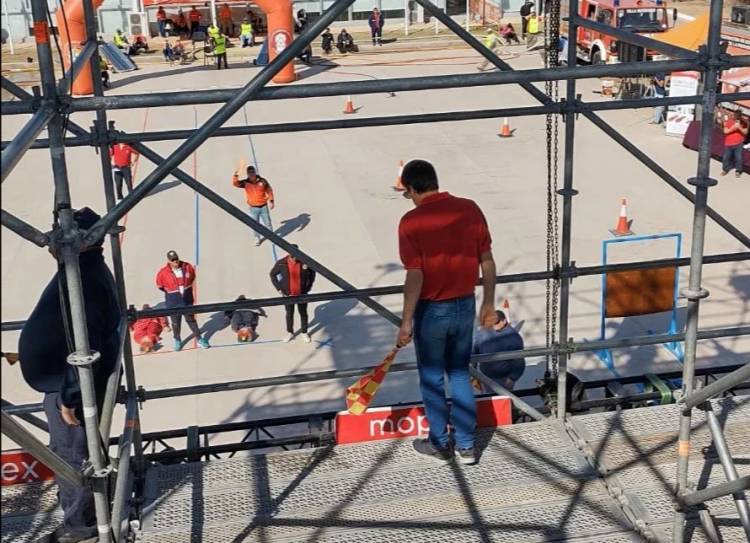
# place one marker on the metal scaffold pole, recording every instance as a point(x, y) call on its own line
point(100, 127)
point(694, 293)
point(567, 193)
point(67, 247)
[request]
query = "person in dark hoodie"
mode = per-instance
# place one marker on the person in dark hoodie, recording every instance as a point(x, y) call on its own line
point(291, 277)
point(244, 322)
point(500, 338)
point(176, 280)
point(45, 343)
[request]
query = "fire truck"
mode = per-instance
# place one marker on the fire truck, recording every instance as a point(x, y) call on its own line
point(639, 16)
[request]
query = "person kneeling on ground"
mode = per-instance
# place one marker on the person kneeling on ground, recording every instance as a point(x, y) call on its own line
point(121, 42)
point(140, 44)
point(306, 55)
point(244, 322)
point(502, 337)
point(292, 277)
point(147, 331)
point(345, 42)
point(45, 343)
point(327, 41)
point(509, 34)
point(168, 53)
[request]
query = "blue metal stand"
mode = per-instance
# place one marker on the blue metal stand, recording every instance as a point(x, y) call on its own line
point(675, 347)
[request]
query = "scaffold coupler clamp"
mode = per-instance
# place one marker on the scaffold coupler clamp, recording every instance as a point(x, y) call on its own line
point(96, 477)
point(77, 359)
point(694, 295)
point(702, 181)
point(58, 240)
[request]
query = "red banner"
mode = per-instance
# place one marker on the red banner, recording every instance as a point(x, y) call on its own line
point(408, 421)
point(20, 467)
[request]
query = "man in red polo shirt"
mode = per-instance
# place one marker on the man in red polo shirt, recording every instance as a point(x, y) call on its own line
point(443, 243)
point(735, 132)
point(121, 156)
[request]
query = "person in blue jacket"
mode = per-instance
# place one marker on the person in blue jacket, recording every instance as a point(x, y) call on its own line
point(45, 343)
point(500, 338)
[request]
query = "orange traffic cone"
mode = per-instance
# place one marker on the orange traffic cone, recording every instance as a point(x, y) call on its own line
point(349, 107)
point(623, 224)
point(399, 185)
point(505, 131)
point(506, 309)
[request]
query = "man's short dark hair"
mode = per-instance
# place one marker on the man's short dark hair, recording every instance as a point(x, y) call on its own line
point(420, 176)
point(500, 316)
point(250, 169)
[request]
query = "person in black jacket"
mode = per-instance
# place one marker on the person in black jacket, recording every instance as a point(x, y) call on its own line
point(327, 41)
point(45, 343)
point(291, 277)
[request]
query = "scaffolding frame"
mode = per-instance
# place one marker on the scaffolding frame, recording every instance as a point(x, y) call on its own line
point(50, 106)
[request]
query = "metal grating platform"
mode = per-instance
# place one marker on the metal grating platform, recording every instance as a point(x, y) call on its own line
point(532, 484)
point(29, 511)
point(637, 449)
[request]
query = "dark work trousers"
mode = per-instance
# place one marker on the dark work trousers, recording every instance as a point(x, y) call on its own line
point(524, 26)
point(191, 322)
point(377, 36)
point(219, 58)
point(121, 173)
point(69, 442)
point(302, 308)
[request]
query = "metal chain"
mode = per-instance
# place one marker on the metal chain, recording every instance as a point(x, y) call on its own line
point(552, 88)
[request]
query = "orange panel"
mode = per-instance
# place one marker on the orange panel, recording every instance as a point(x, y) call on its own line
point(640, 292)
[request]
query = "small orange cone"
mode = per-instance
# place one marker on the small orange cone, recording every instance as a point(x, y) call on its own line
point(349, 107)
point(623, 224)
point(399, 185)
point(505, 131)
point(506, 309)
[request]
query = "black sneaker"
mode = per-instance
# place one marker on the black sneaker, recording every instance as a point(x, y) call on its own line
point(425, 447)
point(466, 456)
point(87, 535)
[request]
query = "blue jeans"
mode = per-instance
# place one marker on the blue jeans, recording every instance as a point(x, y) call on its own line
point(658, 117)
point(443, 334)
point(162, 24)
point(732, 158)
point(261, 215)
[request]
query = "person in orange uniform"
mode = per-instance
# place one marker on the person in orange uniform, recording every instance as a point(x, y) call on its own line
point(735, 132)
point(194, 16)
point(259, 196)
point(225, 20)
point(147, 331)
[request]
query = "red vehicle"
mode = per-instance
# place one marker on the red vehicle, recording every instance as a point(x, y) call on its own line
point(638, 16)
